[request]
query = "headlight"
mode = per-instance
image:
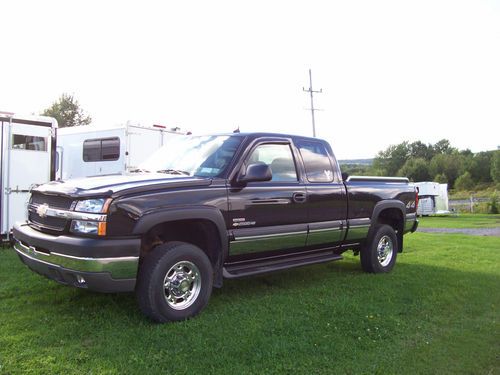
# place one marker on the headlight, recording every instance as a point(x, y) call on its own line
point(91, 205)
point(88, 227)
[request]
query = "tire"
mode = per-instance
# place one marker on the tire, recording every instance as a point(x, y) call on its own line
point(379, 253)
point(174, 282)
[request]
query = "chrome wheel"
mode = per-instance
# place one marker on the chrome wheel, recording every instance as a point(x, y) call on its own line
point(385, 250)
point(182, 285)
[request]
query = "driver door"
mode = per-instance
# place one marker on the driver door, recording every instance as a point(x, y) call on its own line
point(268, 217)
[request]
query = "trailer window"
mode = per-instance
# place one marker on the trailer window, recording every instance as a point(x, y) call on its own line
point(102, 149)
point(28, 142)
point(316, 161)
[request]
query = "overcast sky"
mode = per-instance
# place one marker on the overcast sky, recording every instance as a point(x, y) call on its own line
point(390, 70)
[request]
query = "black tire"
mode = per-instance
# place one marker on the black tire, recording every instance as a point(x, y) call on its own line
point(163, 304)
point(372, 260)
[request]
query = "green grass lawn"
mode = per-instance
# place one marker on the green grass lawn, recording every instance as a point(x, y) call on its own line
point(460, 221)
point(436, 313)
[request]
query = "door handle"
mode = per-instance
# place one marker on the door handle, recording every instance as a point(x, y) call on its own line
point(299, 197)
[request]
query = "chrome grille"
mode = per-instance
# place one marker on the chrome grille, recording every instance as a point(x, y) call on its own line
point(55, 201)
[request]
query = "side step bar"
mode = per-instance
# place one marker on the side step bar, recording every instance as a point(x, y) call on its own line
point(260, 266)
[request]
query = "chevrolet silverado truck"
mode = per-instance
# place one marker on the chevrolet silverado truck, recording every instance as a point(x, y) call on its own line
point(207, 208)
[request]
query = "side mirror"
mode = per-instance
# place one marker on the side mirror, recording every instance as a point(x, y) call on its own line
point(345, 176)
point(255, 173)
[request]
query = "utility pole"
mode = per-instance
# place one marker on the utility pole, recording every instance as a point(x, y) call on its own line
point(311, 92)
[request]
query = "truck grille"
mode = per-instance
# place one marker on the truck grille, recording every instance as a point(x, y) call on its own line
point(48, 224)
point(54, 201)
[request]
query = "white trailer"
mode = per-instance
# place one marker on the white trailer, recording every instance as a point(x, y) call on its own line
point(27, 159)
point(432, 198)
point(91, 150)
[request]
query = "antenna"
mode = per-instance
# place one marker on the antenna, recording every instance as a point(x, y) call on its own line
point(311, 92)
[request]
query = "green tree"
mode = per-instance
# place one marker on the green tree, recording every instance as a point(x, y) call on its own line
point(495, 166)
point(441, 178)
point(451, 165)
point(416, 170)
point(464, 182)
point(443, 147)
point(392, 159)
point(480, 167)
point(66, 110)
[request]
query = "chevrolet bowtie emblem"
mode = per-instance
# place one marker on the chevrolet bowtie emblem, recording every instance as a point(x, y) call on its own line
point(42, 210)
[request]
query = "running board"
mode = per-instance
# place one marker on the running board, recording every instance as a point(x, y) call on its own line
point(256, 267)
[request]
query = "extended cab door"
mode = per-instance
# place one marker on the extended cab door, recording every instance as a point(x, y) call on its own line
point(271, 215)
point(326, 195)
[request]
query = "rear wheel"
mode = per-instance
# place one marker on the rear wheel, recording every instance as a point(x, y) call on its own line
point(379, 253)
point(174, 282)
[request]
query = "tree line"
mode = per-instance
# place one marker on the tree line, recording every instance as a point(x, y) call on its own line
point(439, 162)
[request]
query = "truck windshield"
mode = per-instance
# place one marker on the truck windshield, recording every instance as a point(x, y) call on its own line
point(204, 156)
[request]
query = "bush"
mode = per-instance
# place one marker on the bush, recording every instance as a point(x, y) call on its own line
point(493, 204)
point(464, 182)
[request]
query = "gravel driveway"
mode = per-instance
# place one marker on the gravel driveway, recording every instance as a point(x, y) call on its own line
point(470, 231)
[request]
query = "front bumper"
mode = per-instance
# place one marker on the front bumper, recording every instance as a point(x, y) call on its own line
point(61, 258)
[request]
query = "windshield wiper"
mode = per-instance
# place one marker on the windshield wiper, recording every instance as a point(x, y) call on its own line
point(173, 171)
point(139, 170)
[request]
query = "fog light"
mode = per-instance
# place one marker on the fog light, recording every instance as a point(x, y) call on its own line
point(80, 279)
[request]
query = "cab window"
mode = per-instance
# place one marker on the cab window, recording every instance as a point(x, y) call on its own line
point(316, 161)
point(279, 158)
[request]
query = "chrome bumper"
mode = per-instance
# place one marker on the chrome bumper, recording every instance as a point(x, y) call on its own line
point(118, 268)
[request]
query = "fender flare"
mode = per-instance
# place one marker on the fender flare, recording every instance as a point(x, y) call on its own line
point(383, 205)
point(212, 214)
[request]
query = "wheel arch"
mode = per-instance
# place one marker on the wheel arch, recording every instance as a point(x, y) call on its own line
point(200, 226)
point(390, 212)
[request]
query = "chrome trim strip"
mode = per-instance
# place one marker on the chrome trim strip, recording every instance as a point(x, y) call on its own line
point(324, 230)
point(65, 214)
point(119, 268)
point(378, 179)
point(265, 236)
point(258, 202)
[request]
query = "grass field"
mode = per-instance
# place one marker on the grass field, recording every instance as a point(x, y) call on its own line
point(460, 221)
point(437, 312)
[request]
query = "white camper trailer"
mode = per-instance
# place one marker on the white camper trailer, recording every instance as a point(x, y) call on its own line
point(432, 198)
point(27, 159)
point(91, 150)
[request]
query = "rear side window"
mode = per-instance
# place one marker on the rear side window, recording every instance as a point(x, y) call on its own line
point(316, 161)
point(103, 149)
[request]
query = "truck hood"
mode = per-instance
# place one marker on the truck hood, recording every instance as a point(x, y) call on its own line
point(118, 184)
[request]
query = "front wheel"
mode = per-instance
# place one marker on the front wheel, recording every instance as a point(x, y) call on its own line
point(379, 253)
point(174, 282)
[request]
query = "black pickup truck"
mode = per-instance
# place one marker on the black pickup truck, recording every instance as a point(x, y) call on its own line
point(205, 208)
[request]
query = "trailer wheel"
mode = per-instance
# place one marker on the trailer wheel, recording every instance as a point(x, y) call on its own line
point(174, 282)
point(380, 251)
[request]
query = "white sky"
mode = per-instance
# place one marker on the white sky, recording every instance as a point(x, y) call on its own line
point(390, 70)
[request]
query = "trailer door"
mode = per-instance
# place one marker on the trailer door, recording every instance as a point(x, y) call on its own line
point(27, 163)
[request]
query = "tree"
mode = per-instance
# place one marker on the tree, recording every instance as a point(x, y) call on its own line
point(392, 159)
point(495, 167)
point(66, 110)
point(451, 165)
point(480, 167)
point(416, 170)
point(464, 182)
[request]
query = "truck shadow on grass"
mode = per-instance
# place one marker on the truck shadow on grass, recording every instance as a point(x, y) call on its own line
point(331, 282)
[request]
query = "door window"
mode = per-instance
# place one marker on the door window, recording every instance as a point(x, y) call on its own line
point(316, 161)
point(279, 158)
point(29, 142)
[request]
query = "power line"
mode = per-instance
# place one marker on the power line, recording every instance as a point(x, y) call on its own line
point(312, 92)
